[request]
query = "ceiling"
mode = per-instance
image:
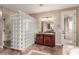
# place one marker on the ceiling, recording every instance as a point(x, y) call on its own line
point(36, 8)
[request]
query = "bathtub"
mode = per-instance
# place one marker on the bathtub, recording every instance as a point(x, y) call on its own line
point(70, 50)
point(74, 51)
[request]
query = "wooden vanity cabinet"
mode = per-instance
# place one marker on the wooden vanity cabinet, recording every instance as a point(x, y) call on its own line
point(39, 39)
point(49, 40)
point(45, 39)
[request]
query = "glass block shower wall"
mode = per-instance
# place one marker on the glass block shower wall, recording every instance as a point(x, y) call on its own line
point(22, 30)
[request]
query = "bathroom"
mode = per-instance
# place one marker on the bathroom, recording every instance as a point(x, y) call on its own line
point(49, 24)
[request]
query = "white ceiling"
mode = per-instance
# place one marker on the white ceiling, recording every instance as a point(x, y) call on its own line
point(36, 8)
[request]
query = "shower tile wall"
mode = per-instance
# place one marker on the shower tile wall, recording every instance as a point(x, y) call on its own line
point(22, 31)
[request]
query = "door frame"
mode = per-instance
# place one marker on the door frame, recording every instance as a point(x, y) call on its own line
point(62, 25)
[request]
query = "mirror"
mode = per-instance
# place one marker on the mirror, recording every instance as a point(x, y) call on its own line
point(47, 26)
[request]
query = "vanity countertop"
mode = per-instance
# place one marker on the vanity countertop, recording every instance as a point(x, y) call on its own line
point(46, 33)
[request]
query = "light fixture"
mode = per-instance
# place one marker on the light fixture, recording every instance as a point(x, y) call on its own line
point(49, 18)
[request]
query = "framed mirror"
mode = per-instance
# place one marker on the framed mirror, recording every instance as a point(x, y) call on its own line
point(47, 26)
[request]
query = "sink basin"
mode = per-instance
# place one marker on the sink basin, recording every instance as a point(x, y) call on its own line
point(49, 33)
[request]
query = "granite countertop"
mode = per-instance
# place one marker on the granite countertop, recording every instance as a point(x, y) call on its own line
point(46, 33)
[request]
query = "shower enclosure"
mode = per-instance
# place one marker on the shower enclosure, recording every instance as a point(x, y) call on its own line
point(68, 27)
point(19, 30)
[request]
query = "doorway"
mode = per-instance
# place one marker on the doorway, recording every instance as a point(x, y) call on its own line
point(68, 27)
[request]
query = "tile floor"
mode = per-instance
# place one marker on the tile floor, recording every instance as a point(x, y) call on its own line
point(57, 50)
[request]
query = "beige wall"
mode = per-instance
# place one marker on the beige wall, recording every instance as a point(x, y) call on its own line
point(5, 13)
point(1, 29)
point(56, 14)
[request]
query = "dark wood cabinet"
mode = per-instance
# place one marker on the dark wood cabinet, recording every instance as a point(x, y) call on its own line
point(45, 39)
point(39, 39)
point(49, 40)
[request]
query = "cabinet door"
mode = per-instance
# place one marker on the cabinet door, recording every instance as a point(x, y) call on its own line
point(39, 39)
point(49, 40)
